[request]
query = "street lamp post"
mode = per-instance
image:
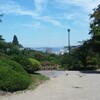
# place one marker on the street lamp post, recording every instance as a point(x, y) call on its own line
point(69, 45)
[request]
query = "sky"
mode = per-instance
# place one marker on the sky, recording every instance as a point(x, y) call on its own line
point(44, 23)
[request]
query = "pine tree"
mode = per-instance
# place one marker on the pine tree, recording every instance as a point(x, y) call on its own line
point(15, 40)
point(0, 17)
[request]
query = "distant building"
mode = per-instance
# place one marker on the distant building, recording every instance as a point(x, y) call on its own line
point(21, 48)
point(65, 49)
point(49, 50)
point(62, 52)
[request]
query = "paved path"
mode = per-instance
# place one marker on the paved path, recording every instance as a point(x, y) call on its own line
point(70, 85)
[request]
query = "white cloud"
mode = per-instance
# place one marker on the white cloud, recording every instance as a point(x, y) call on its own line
point(31, 25)
point(87, 5)
point(75, 11)
point(35, 25)
point(40, 5)
point(50, 20)
point(66, 16)
point(13, 7)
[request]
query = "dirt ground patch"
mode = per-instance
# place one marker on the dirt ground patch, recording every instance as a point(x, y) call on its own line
point(70, 85)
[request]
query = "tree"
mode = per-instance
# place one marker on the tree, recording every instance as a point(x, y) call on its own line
point(64, 60)
point(95, 29)
point(54, 59)
point(12, 49)
point(86, 56)
point(40, 56)
point(1, 39)
point(3, 45)
point(0, 17)
point(15, 40)
point(82, 53)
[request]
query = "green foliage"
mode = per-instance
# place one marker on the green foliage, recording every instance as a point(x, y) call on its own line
point(75, 63)
point(12, 49)
point(82, 53)
point(1, 15)
point(15, 40)
point(64, 60)
point(95, 29)
point(47, 63)
point(3, 45)
point(24, 62)
point(40, 56)
point(54, 59)
point(12, 76)
point(1, 38)
point(29, 53)
point(83, 57)
point(91, 60)
point(36, 65)
point(98, 62)
point(37, 79)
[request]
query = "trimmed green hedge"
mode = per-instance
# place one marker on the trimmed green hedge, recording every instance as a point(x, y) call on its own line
point(24, 62)
point(36, 65)
point(12, 76)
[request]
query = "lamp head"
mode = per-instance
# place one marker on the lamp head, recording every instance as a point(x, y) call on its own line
point(68, 30)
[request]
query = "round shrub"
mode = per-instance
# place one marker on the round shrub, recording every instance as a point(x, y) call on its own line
point(47, 63)
point(12, 76)
point(36, 65)
point(24, 62)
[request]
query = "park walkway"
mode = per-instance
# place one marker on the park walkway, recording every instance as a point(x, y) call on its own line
point(70, 85)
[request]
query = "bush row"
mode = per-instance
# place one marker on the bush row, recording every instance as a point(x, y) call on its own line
point(12, 76)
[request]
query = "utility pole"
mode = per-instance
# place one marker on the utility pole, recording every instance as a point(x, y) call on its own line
point(69, 46)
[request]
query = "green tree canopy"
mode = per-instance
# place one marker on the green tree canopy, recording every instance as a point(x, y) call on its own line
point(15, 40)
point(95, 29)
point(0, 17)
point(1, 38)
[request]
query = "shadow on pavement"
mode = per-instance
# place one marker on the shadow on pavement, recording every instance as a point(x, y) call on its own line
point(91, 71)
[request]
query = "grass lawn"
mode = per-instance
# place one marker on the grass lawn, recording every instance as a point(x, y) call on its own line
point(37, 79)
